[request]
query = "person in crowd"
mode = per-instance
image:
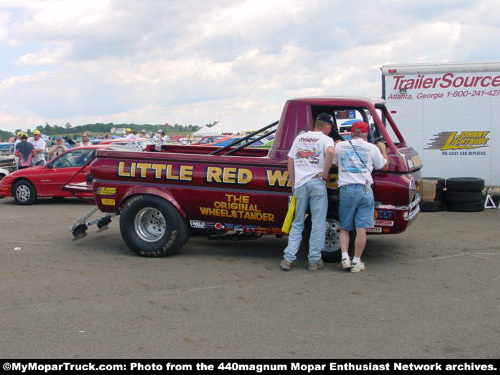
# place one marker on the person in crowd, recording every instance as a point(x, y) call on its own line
point(144, 134)
point(157, 138)
point(85, 140)
point(58, 148)
point(25, 151)
point(18, 138)
point(130, 134)
point(309, 162)
point(356, 160)
point(40, 145)
point(107, 136)
point(165, 138)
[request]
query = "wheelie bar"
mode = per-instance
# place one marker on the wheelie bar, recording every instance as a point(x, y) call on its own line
point(80, 226)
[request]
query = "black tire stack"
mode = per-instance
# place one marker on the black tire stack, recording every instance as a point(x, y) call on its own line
point(432, 195)
point(464, 194)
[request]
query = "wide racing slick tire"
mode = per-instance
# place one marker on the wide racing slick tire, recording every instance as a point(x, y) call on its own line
point(152, 227)
point(465, 184)
point(24, 192)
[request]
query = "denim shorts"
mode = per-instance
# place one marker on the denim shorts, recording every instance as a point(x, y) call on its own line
point(356, 206)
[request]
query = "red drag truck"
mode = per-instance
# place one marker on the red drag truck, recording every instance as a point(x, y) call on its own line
point(165, 194)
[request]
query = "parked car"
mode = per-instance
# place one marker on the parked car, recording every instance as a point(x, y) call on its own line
point(208, 140)
point(26, 185)
point(7, 165)
point(7, 149)
point(139, 143)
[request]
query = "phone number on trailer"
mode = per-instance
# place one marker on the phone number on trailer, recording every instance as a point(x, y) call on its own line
point(473, 93)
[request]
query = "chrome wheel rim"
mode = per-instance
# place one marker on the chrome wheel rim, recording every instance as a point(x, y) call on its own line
point(332, 236)
point(23, 193)
point(150, 224)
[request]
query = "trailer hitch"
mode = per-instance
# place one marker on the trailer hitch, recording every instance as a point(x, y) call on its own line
point(80, 226)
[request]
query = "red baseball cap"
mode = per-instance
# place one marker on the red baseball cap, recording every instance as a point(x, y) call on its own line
point(359, 127)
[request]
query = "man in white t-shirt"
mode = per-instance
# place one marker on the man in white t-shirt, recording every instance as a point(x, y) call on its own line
point(309, 162)
point(356, 160)
point(165, 138)
point(39, 145)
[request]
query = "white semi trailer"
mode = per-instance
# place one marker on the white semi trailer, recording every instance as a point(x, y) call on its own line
point(450, 113)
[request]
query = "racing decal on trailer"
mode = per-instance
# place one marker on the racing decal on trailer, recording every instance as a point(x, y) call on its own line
point(452, 142)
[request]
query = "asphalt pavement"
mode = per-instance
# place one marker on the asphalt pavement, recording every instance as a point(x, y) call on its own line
point(431, 292)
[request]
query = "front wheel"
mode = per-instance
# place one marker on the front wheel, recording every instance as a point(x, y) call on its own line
point(152, 226)
point(331, 253)
point(24, 192)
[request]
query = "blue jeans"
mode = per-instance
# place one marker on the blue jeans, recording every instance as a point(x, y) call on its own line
point(312, 194)
point(356, 206)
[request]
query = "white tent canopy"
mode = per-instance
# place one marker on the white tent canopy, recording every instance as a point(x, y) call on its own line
point(241, 123)
point(205, 131)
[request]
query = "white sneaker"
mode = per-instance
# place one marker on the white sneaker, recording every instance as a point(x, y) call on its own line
point(358, 267)
point(346, 264)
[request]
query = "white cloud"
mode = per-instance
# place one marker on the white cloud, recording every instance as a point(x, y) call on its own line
point(193, 61)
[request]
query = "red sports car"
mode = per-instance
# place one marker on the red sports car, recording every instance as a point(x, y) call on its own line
point(26, 185)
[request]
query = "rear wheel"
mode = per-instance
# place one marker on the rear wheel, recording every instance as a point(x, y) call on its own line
point(152, 226)
point(24, 192)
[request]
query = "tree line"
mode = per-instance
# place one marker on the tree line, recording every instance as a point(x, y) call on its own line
point(101, 128)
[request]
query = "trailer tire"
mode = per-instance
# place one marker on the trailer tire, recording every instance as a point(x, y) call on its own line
point(466, 207)
point(152, 227)
point(455, 196)
point(465, 184)
point(24, 192)
point(431, 206)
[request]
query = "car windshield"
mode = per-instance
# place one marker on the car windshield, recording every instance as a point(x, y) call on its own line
point(74, 158)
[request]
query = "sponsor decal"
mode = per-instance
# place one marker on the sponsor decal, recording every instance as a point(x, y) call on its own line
point(383, 214)
point(108, 202)
point(374, 230)
point(104, 190)
point(384, 223)
point(197, 224)
point(460, 143)
point(464, 140)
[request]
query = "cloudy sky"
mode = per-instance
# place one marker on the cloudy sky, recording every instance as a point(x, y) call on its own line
point(197, 61)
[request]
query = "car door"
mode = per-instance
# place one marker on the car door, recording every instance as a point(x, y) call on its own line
point(63, 168)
